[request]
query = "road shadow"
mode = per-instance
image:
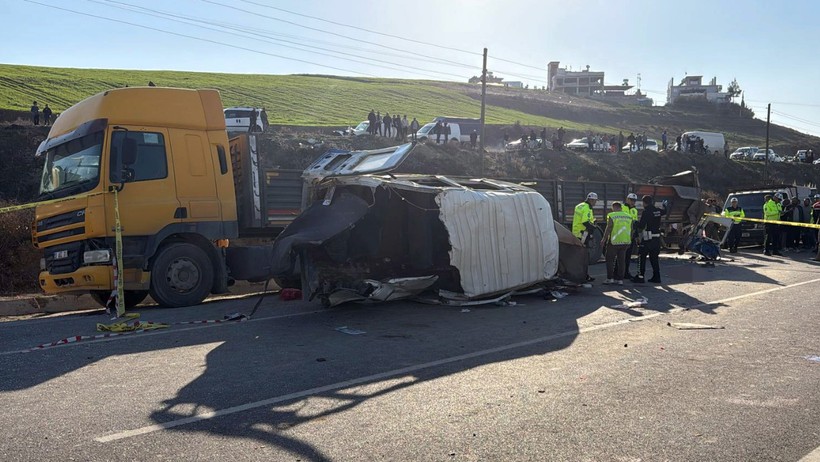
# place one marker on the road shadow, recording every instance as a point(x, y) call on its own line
point(403, 345)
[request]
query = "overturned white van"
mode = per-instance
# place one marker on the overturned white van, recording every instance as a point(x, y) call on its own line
point(369, 236)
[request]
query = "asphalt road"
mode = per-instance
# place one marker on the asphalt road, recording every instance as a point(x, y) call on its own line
point(572, 379)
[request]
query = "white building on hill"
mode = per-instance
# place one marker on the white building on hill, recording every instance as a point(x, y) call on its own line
point(692, 88)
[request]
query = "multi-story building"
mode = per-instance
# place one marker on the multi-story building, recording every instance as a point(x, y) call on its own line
point(692, 88)
point(583, 82)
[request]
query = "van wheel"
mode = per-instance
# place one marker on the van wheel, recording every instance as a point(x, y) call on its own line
point(132, 297)
point(182, 275)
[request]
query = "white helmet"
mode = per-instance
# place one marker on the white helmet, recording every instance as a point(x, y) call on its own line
point(779, 196)
point(592, 195)
point(632, 196)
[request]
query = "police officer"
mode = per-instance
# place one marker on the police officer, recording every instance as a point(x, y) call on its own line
point(735, 212)
point(617, 237)
point(771, 212)
point(632, 210)
point(583, 220)
point(650, 228)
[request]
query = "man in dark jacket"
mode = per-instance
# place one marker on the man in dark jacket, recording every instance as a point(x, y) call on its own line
point(371, 119)
point(437, 129)
point(388, 123)
point(650, 234)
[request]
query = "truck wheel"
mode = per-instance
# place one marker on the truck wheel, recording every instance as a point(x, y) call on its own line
point(182, 275)
point(132, 297)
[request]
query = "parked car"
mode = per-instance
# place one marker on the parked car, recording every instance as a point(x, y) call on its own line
point(460, 129)
point(744, 153)
point(760, 156)
point(517, 145)
point(651, 145)
point(712, 141)
point(578, 144)
point(816, 162)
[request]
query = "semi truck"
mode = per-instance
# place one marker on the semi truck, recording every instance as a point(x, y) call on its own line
point(185, 195)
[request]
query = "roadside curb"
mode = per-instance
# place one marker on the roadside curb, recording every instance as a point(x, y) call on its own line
point(36, 304)
point(29, 304)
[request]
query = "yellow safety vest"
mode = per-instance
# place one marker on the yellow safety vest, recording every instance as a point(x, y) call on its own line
point(621, 232)
point(772, 210)
point(735, 214)
point(583, 214)
point(633, 211)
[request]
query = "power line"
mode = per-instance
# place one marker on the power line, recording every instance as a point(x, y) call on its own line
point(272, 35)
point(295, 45)
point(384, 34)
point(785, 103)
point(197, 38)
point(330, 33)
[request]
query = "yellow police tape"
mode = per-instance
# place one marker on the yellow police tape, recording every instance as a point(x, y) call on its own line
point(124, 326)
point(118, 252)
point(768, 222)
point(31, 205)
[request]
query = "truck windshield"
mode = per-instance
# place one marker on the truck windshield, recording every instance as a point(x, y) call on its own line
point(72, 167)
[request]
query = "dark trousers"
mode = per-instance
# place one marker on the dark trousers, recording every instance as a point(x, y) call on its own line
point(615, 265)
point(794, 236)
point(771, 243)
point(650, 248)
point(733, 239)
point(630, 249)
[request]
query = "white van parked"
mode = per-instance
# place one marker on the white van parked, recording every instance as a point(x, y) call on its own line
point(245, 120)
point(712, 141)
point(460, 129)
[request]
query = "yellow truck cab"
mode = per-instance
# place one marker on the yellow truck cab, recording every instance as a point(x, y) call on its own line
point(167, 153)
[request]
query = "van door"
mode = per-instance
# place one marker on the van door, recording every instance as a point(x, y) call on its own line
point(455, 133)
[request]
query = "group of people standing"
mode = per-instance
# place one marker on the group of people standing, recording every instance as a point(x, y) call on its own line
point(780, 236)
point(35, 114)
point(391, 126)
point(625, 232)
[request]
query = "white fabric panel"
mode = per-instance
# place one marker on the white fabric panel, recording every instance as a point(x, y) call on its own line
point(500, 240)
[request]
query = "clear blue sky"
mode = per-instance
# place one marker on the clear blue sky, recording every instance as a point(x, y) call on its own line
point(770, 47)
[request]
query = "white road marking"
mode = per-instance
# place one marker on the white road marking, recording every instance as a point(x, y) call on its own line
point(813, 456)
point(406, 370)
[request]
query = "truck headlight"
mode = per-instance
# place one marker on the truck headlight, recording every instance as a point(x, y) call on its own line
point(97, 256)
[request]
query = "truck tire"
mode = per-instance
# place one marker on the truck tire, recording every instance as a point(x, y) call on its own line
point(182, 275)
point(132, 297)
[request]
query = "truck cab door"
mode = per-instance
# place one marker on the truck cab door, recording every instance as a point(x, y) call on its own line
point(195, 177)
point(139, 161)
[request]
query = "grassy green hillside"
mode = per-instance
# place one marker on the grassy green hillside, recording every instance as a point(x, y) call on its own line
point(289, 100)
point(330, 101)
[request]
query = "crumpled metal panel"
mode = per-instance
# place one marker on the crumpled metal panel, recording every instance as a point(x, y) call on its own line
point(500, 240)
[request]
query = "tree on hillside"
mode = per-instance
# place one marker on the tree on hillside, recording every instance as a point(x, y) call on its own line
point(734, 90)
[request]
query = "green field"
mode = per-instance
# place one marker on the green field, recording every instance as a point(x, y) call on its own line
point(290, 100)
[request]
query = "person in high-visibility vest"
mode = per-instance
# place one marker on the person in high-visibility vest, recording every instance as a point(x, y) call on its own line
point(735, 212)
point(617, 238)
point(771, 212)
point(583, 220)
point(630, 207)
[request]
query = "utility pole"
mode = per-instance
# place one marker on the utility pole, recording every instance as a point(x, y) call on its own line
point(766, 166)
point(483, 102)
